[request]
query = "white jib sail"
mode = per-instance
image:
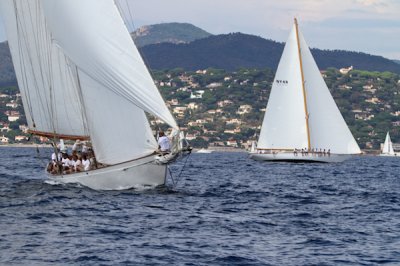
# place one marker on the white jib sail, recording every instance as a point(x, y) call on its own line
point(284, 125)
point(47, 84)
point(94, 36)
point(387, 146)
point(119, 130)
point(328, 130)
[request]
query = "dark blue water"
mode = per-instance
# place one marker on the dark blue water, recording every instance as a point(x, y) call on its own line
point(225, 210)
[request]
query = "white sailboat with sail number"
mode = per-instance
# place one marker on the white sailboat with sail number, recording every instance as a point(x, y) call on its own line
point(302, 121)
point(81, 77)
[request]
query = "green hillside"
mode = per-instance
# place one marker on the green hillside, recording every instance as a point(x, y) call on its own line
point(237, 50)
point(210, 104)
point(168, 33)
point(7, 75)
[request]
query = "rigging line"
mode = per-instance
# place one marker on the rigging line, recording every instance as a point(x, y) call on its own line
point(46, 53)
point(81, 98)
point(24, 77)
point(171, 175)
point(130, 15)
point(29, 58)
point(178, 178)
point(71, 71)
point(33, 11)
point(47, 37)
point(142, 55)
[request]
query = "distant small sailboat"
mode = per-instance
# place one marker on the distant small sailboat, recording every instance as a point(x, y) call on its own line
point(302, 121)
point(253, 146)
point(387, 149)
point(204, 151)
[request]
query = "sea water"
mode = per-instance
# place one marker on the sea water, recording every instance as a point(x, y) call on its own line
point(225, 209)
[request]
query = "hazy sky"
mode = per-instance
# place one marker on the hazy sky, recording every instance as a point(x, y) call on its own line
point(371, 26)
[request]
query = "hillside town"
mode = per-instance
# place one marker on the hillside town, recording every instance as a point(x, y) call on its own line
point(218, 108)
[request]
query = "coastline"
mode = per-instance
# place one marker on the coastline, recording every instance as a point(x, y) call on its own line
point(214, 149)
point(25, 145)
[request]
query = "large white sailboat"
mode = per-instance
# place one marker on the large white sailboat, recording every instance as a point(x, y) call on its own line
point(81, 77)
point(387, 149)
point(302, 121)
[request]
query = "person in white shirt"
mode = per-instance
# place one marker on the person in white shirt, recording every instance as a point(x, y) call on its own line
point(54, 156)
point(164, 143)
point(77, 163)
point(85, 163)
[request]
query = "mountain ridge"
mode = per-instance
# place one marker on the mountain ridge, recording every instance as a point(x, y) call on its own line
point(184, 46)
point(173, 32)
point(244, 50)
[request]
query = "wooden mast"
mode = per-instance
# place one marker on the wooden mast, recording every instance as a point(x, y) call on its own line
point(303, 85)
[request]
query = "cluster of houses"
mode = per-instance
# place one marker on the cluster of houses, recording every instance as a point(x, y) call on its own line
point(196, 118)
point(14, 114)
point(227, 121)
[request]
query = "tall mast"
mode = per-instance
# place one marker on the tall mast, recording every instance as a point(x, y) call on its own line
point(303, 84)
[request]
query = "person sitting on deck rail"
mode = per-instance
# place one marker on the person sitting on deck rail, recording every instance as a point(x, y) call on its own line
point(164, 143)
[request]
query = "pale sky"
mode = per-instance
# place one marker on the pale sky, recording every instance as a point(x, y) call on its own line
point(371, 26)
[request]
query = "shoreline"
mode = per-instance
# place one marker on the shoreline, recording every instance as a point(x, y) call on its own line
point(21, 145)
point(214, 149)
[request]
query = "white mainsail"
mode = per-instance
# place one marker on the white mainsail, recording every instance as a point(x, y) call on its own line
point(48, 86)
point(388, 146)
point(105, 51)
point(81, 75)
point(301, 112)
point(284, 125)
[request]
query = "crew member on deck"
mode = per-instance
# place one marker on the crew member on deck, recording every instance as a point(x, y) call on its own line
point(163, 143)
point(77, 148)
